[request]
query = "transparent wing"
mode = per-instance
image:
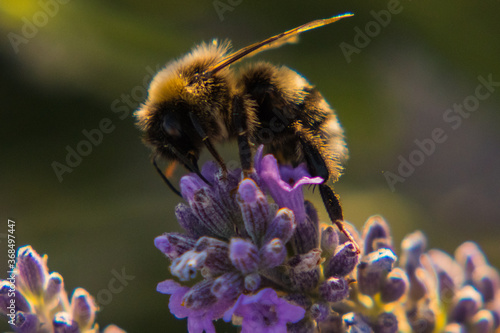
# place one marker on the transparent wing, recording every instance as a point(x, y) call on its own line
point(273, 42)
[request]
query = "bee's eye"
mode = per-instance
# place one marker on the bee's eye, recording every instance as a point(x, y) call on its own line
point(171, 125)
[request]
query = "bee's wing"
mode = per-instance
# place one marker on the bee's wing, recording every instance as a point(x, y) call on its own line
point(273, 42)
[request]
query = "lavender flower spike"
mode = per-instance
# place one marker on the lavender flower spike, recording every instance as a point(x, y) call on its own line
point(272, 267)
point(41, 302)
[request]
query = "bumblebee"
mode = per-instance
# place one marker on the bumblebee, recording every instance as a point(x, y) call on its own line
point(199, 100)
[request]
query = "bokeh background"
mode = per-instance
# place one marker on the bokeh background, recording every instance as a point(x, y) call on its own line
point(80, 64)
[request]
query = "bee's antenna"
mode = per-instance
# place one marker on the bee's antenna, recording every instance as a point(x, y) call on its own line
point(165, 179)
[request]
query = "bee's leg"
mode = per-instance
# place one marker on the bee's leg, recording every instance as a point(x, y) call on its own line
point(207, 142)
point(165, 179)
point(191, 163)
point(240, 125)
point(330, 198)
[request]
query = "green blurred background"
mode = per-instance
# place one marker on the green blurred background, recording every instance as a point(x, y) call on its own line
point(104, 215)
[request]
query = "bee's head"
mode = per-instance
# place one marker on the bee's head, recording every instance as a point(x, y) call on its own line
point(183, 89)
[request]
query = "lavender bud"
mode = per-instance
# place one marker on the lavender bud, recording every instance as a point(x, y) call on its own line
point(343, 261)
point(304, 270)
point(373, 269)
point(209, 210)
point(282, 226)
point(186, 266)
point(55, 285)
point(174, 244)
point(422, 320)
point(483, 322)
point(320, 311)
point(272, 254)
point(334, 289)
point(228, 286)
point(32, 270)
point(355, 324)
point(27, 322)
point(254, 208)
point(217, 253)
point(412, 247)
point(329, 241)
point(200, 296)
point(21, 304)
point(306, 236)
point(252, 282)
point(395, 286)
point(454, 328)
point(469, 256)
point(64, 324)
point(244, 255)
point(376, 234)
point(486, 281)
point(449, 273)
point(467, 302)
point(83, 309)
point(189, 222)
point(386, 323)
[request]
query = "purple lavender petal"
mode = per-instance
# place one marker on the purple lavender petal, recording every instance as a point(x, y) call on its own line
point(334, 289)
point(272, 254)
point(343, 261)
point(284, 194)
point(254, 208)
point(265, 312)
point(244, 255)
point(174, 244)
point(469, 257)
point(175, 303)
point(32, 270)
